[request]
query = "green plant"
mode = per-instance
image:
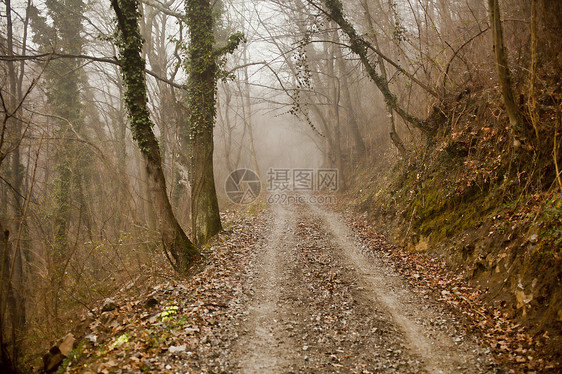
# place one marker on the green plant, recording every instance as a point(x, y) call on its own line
point(72, 358)
point(551, 230)
point(124, 338)
point(168, 313)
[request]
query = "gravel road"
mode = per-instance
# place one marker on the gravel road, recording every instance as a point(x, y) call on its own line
point(315, 300)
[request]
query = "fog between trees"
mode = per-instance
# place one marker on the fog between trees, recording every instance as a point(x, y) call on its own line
point(298, 84)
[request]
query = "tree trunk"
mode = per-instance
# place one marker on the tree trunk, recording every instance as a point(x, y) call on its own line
point(7, 303)
point(12, 277)
point(176, 244)
point(64, 92)
point(334, 85)
point(360, 47)
point(394, 137)
point(248, 116)
point(533, 78)
point(503, 68)
point(204, 204)
point(202, 109)
point(351, 117)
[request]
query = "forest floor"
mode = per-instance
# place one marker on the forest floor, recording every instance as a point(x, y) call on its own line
point(296, 289)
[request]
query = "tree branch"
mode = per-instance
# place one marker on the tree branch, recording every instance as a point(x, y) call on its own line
point(163, 9)
point(360, 47)
point(114, 61)
point(456, 52)
point(245, 65)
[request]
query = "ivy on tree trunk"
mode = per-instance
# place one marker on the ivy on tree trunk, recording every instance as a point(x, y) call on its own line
point(202, 70)
point(177, 246)
point(334, 10)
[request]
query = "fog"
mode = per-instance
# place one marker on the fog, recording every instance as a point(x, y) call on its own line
point(80, 192)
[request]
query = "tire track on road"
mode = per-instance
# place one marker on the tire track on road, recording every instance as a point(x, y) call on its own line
point(265, 347)
point(438, 350)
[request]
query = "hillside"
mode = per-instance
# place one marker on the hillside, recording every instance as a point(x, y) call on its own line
point(492, 211)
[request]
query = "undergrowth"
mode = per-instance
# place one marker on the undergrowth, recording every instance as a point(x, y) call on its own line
point(476, 180)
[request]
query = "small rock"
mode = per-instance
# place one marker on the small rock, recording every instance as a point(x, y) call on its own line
point(534, 238)
point(67, 344)
point(108, 305)
point(174, 349)
point(191, 330)
point(92, 338)
point(53, 359)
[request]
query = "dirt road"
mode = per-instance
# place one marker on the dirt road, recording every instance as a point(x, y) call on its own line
point(291, 290)
point(314, 299)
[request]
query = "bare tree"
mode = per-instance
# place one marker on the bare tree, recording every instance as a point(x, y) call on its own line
point(504, 75)
point(174, 240)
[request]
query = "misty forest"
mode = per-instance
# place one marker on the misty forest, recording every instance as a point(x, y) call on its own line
point(280, 186)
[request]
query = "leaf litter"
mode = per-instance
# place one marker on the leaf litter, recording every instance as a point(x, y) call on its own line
point(185, 326)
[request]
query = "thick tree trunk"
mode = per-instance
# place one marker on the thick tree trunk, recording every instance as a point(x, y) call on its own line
point(15, 98)
point(504, 75)
point(204, 205)
point(176, 243)
point(12, 277)
point(7, 304)
point(202, 109)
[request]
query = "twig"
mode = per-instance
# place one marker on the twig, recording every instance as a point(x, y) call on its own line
point(555, 156)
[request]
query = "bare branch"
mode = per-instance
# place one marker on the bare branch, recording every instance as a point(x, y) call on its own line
point(114, 61)
point(164, 9)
